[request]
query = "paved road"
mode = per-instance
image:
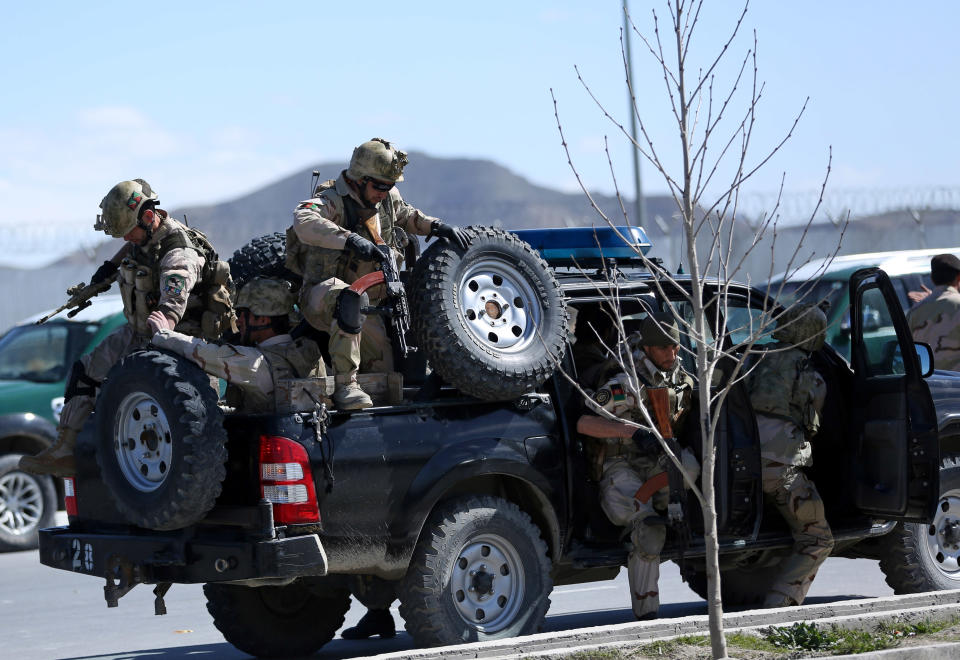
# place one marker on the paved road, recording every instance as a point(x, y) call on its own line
point(47, 614)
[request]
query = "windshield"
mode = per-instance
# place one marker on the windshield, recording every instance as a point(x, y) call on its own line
point(40, 354)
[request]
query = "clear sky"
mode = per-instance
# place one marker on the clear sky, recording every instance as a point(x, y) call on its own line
point(209, 100)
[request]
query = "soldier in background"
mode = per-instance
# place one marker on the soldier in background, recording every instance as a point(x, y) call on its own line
point(787, 394)
point(266, 354)
point(163, 266)
point(331, 244)
point(936, 320)
point(628, 458)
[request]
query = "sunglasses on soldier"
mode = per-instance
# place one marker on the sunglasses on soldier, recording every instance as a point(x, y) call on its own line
point(382, 186)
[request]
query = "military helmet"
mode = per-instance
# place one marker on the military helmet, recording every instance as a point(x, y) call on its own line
point(377, 159)
point(266, 297)
point(121, 207)
point(804, 326)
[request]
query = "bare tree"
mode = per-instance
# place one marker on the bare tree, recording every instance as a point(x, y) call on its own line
point(715, 124)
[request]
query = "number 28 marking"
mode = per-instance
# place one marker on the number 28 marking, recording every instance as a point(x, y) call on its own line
point(82, 558)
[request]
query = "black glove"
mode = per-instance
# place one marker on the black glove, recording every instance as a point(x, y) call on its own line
point(646, 443)
point(450, 233)
point(363, 248)
point(105, 271)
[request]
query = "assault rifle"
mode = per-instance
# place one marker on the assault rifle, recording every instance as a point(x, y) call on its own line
point(659, 398)
point(80, 297)
point(389, 275)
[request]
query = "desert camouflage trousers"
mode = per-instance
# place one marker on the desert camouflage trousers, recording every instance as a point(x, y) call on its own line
point(96, 364)
point(618, 489)
point(798, 501)
point(370, 351)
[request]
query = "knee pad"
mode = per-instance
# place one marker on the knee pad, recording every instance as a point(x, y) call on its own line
point(79, 383)
point(348, 311)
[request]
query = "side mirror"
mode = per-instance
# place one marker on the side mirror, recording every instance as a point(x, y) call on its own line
point(925, 354)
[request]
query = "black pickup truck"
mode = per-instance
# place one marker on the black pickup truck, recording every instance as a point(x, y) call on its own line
point(474, 509)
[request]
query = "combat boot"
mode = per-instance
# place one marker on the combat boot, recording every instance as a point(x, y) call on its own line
point(347, 395)
point(374, 622)
point(56, 460)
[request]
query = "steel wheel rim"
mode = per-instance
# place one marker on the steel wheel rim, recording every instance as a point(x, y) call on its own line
point(143, 443)
point(488, 561)
point(21, 503)
point(943, 536)
point(498, 306)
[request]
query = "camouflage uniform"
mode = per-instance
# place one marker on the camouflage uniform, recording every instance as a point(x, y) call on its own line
point(624, 473)
point(323, 224)
point(156, 283)
point(251, 373)
point(159, 275)
point(787, 394)
point(936, 321)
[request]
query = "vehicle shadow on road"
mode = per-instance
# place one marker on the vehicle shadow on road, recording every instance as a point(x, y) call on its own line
point(335, 650)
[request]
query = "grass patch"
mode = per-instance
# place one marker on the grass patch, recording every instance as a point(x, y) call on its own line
point(805, 636)
point(669, 646)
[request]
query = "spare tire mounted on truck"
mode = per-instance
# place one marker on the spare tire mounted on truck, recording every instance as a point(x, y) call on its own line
point(490, 320)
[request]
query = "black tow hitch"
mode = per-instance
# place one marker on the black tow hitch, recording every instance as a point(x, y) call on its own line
point(122, 576)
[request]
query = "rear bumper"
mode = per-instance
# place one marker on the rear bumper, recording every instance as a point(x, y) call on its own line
point(158, 557)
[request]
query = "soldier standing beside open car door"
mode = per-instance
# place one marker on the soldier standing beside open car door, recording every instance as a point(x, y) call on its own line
point(332, 244)
point(787, 394)
point(936, 320)
point(632, 495)
point(166, 267)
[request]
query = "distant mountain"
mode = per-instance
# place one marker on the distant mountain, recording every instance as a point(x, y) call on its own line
point(459, 190)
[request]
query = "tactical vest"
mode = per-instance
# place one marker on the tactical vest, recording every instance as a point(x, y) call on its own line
point(296, 359)
point(209, 310)
point(680, 396)
point(316, 264)
point(785, 385)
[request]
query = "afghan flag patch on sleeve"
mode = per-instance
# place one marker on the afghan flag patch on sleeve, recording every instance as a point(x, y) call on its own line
point(617, 392)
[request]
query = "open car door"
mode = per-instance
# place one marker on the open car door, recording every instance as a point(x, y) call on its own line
point(896, 462)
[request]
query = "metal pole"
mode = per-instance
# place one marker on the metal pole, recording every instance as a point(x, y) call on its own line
point(638, 192)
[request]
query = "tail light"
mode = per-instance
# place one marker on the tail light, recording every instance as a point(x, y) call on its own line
point(70, 495)
point(286, 481)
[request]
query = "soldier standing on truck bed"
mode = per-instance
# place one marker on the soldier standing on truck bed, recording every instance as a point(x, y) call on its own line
point(332, 244)
point(630, 461)
point(936, 320)
point(787, 394)
point(263, 307)
point(165, 267)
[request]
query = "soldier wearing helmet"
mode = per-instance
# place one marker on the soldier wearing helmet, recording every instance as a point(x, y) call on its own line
point(628, 461)
point(787, 394)
point(157, 269)
point(267, 353)
point(332, 244)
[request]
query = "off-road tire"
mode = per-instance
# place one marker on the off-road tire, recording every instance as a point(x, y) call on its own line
point(918, 557)
point(482, 541)
point(161, 445)
point(28, 503)
point(278, 622)
point(491, 318)
point(264, 256)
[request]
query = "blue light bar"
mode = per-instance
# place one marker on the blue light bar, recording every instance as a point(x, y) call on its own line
point(587, 246)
